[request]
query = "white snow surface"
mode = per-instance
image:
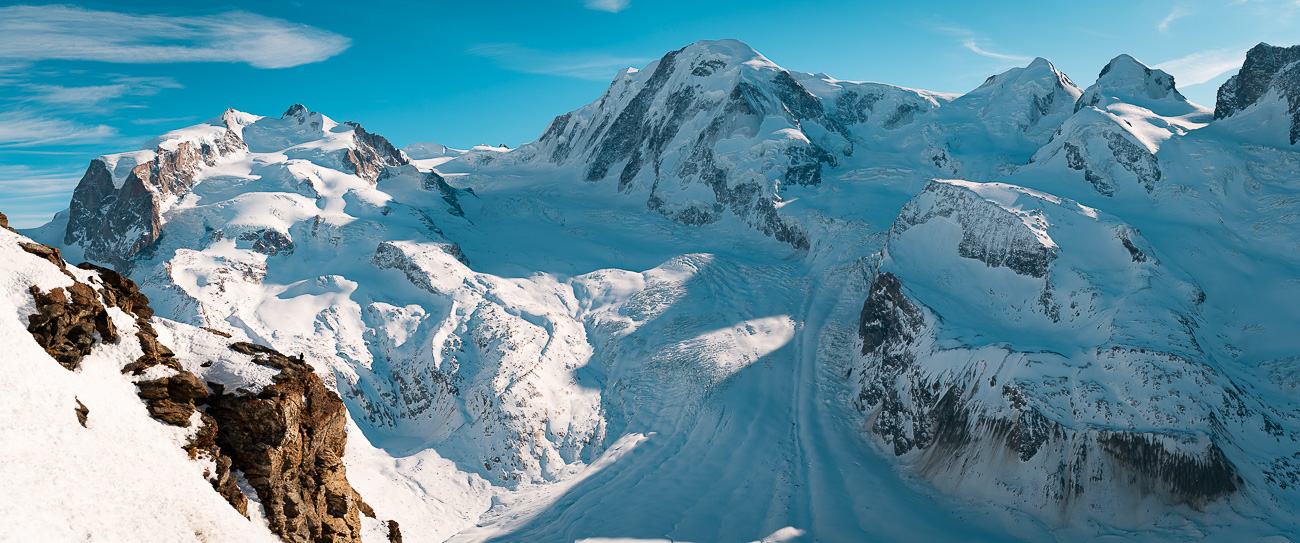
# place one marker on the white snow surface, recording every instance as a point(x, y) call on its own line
point(534, 355)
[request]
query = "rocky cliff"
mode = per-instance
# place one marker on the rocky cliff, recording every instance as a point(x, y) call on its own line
point(1270, 73)
point(288, 441)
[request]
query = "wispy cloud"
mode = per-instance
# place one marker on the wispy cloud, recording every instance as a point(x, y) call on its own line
point(975, 48)
point(612, 6)
point(971, 41)
point(32, 195)
point(93, 95)
point(595, 66)
point(34, 33)
point(1177, 13)
point(1203, 66)
point(24, 128)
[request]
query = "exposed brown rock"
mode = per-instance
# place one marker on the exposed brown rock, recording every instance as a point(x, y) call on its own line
point(204, 442)
point(394, 533)
point(66, 322)
point(44, 251)
point(82, 411)
point(216, 332)
point(288, 440)
point(172, 399)
point(4, 221)
point(121, 292)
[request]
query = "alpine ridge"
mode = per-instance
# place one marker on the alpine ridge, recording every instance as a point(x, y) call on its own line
point(725, 301)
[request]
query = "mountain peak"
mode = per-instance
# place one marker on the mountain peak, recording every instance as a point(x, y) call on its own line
point(1126, 79)
point(296, 110)
point(1033, 100)
point(1039, 63)
point(1040, 72)
point(730, 48)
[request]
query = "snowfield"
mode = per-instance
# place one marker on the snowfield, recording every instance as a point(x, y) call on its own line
point(725, 302)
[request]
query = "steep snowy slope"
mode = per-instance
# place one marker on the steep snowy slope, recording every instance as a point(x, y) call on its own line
point(650, 323)
point(1022, 345)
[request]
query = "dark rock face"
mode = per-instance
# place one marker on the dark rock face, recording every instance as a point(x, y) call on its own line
point(269, 242)
point(115, 223)
point(989, 234)
point(288, 440)
point(171, 399)
point(50, 254)
point(434, 182)
point(1132, 157)
point(372, 154)
point(888, 325)
point(887, 315)
point(1201, 478)
point(1266, 68)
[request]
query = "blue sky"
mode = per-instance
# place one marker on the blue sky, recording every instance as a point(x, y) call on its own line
point(77, 81)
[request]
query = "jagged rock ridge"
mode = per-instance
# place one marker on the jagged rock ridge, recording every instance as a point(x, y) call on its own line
point(1268, 69)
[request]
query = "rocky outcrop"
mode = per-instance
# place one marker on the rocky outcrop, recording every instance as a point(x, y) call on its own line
point(288, 440)
point(269, 242)
point(1108, 155)
point(952, 416)
point(68, 322)
point(83, 412)
point(1267, 69)
point(451, 195)
point(371, 155)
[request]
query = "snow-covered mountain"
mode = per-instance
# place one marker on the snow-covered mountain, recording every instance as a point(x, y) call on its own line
point(731, 302)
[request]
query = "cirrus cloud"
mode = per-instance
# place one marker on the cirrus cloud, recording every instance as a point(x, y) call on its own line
point(34, 33)
point(1203, 66)
point(612, 6)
